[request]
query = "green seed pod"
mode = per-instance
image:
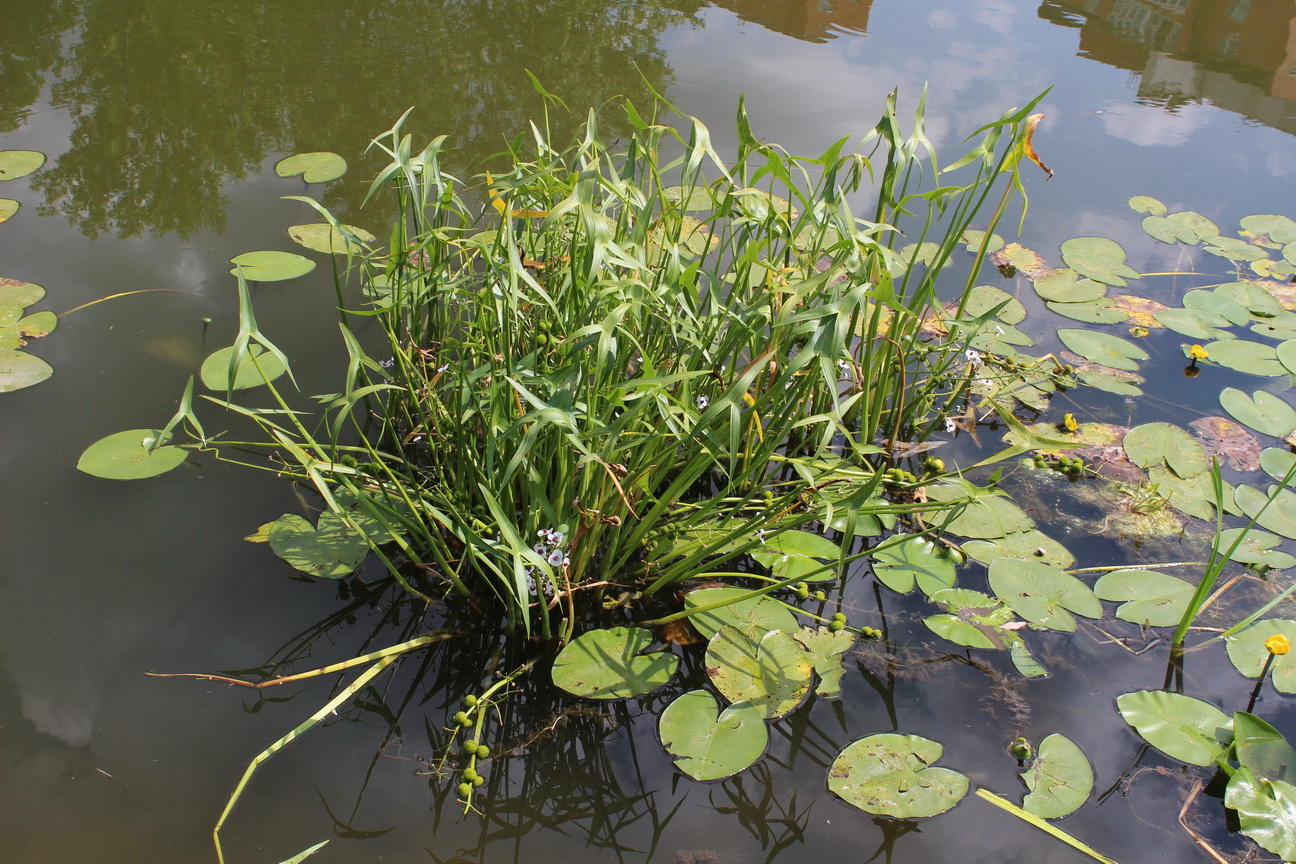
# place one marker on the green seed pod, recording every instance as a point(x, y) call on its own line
point(542, 339)
point(349, 461)
point(802, 592)
point(837, 626)
point(465, 789)
point(470, 774)
point(470, 700)
point(839, 616)
point(545, 326)
point(461, 718)
point(479, 781)
point(820, 596)
point(482, 751)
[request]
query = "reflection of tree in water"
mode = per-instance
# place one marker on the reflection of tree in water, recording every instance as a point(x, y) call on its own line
point(173, 100)
point(30, 45)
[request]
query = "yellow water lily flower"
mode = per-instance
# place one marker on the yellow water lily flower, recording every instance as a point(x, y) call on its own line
point(1278, 644)
point(1138, 332)
point(1070, 422)
point(1197, 352)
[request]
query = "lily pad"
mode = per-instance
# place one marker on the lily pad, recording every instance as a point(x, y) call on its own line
point(1060, 779)
point(1199, 224)
point(1262, 749)
point(1169, 230)
point(215, 369)
point(987, 514)
point(1103, 348)
point(707, 743)
point(1247, 652)
point(1146, 204)
point(1252, 297)
point(271, 266)
point(752, 616)
point(1257, 547)
point(1192, 323)
point(825, 649)
point(973, 239)
point(323, 237)
point(1280, 514)
point(1262, 411)
point(608, 663)
point(1234, 249)
point(1032, 544)
point(1140, 310)
point(983, 298)
point(974, 619)
point(1279, 229)
point(1223, 309)
point(1194, 496)
point(1181, 727)
point(913, 560)
point(893, 775)
point(1100, 311)
point(1240, 355)
point(1099, 259)
point(1286, 354)
point(8, 207)
point(19, 163)
point(1146, 596)
point(1023, 662)
point(127, 456)
point(1017, 257)
point(1116, 381)
point(1065, 285)
point(330, 551)
point(789, 554)
point(1266, 811)
point(318, 167)
point(1041, 593)
point(1277, 462)
point(1228, 441)
point(771, 671)
point(18, 369)
point(1154, 443)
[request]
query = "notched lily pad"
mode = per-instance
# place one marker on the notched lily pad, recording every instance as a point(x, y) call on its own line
point(986, 515)
point(608, 663)
point(752, 616)
point(893, 775)
point(1099, 259)
point(1016, 258)
point(1041, 593)
point(798, 553)
point(18, 369)
point(902, 563)
point(8, 207)
point(1032, 544)
point(707, 743)
point(771, 671)
point(331, 550)
point(1103, 348)
point(974, 619)
point(1147, 596)
point(1169, 230)
point(1266, 811)
point(1240, 355)
point(1060, 779)
point(1100, 311)
point(1262, 411)
point(322, 237)
point(1248, 653)
point(1065, 285)
point(19, 163)
point(1181, 727)
point(271, 266)
point(1154, 443)
point(317, 167)
point(825, 649)
point(130, 455)
point(1146, 204)
point(215, 369)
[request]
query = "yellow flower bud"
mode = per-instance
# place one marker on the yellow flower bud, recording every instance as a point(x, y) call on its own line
point(1139, 332)
point(1197, 352)
point(1278, 644)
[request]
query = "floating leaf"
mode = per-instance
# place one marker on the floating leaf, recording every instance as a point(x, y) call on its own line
point(1099, 259)
point(323, 237)
point(1282, 328)
point(1186, 729)
point(1032, 544)
point(753, 616)
point(1023, 662)
point(1199, 224)
point(983, 298)
point(825, 649)
point(271, 266)
point(1248, 654)
point(1228, 441)
point(1016, 257)
point(1145, 204)
point(771, 671)
point(333, 550)
point(1191, 323)
point(915, 559)
point(1060, 779)
point(1153, 443)
point(19, 163)
point(319, 167)
point(1116, 381)
point(1041, 593)
point(790, 554)
point(892, 775)
point(1169, 230)
point(215, 369)
point(8, 207)
point(974, 619)
point(1146, 596)
point(1139, 310)
point(987, 515)
point(1252, 297)
point(1276, 463)
point(1065, 285)
point(1286, 354)
point(1279, 229)
point(18, 369)
point(1253, 358)
point(1280, 514)
point(1262, 411)
point(1103, 348)
point(708, 744)
point(1101, 311)
point(21, 294)
point(1194, 496)
point(1262, 749)
point(691, 198)
point(1266, 811)
point(1233, 249)
point(972, 240)
point(1257, 547)
point(127, 455)
point(1224, 309)
point(608, 663)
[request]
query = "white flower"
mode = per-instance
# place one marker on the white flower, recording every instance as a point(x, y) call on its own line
point(974, 357)
point(760, 535)
point(950, 425)
point(986, 383)
point(530, 583)
point(702, 403)
point(999, 330)
point(556, 557)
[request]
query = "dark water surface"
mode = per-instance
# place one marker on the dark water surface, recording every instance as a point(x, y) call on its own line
point(162, 121)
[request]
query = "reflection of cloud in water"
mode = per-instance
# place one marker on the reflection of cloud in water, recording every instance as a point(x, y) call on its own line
point(998, 15)
point(69, 721)
point(1149, 126)
point(942, 19)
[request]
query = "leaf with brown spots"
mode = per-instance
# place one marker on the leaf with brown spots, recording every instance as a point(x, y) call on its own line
point(1140, 309)
point(1230, 442)
point(1016, 258)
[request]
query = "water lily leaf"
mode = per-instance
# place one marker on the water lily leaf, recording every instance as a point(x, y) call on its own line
point(1228, 441)
point(1100, 311)
point(974, 619)
point(1262, 411)
point(691, 198)
point(1279, 517)
point(333, 550)
point(1266, 811)
point(319, 167)
point(1200, 225)
point(18, 369)
point(1016, 257)
point(36, 325)
point(1116, 381)
point(1194, 496)
point(1247, 652)
point(1145, 204)
point(19, 163)
point(1139, 310)
point(1099, 259)
point(1252, 297)
point(972, 240)
point(1192, 323)
point(1276, 463)
point(893, 775)
point(1286, 354)
point(271, 266)
point(708, 744)
point(1281, 331)
point(771, 671)
point(983, 298)
point(215, 369)
point(126, 456)
point(793, 553)
point(1279, 229)
point(608, 663)
point(1024, 662)
point(752, 616)
point(8, 207)
point(986, 515)
point(1253, 358)
point(1103, 348)
point(916, 559)
point(1065, 285)
point(1154, 443)
point(1146, 596)
point(1090, 434)
point(1032, 544)
point(1228, 310)
point(1169, 230)
point(1267, 268)
point(21, 294)
point(825, 649)
point(1041, 593)
point(1257, 547)
point(323, 237)
point(1233, 249)
point(1262, 749)
point(1060, 779)
point(1181, 727)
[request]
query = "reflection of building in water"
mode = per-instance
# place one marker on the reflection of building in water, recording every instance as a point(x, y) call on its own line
point(1239, 55)
point(814, 20)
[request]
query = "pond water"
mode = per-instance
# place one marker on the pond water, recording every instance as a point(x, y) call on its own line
point(162, 122)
